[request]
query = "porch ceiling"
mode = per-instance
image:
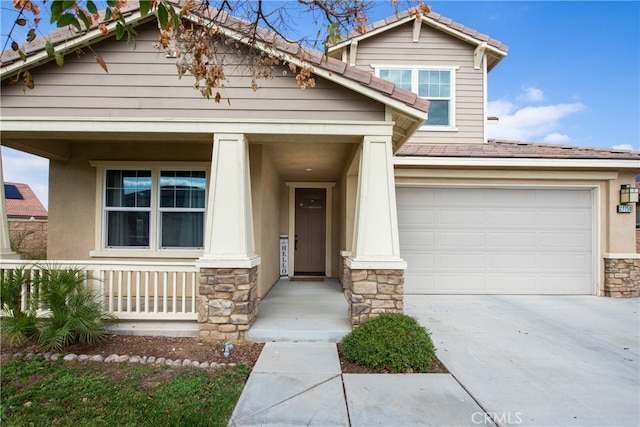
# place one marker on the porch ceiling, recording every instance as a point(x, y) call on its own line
point(310, 160)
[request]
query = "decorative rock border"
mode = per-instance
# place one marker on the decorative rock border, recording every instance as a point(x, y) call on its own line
point(114, 358)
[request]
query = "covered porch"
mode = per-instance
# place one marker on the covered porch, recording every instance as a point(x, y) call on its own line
point(251, 198)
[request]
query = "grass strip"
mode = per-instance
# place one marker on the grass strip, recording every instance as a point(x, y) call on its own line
point(101, 394)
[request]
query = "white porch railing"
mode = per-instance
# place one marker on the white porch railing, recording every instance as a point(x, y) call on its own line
point(130, 290)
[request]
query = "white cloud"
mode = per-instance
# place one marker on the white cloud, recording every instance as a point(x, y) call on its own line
point(501, 107)
point(520, 120)
point(556, 138)
point(27, 169)
point(532, 123)
point(531, 94)
point(623, 147)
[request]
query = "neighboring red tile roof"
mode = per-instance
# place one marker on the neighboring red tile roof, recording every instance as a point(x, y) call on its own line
point(436, 17)
point(27, 207)
point(515, 149)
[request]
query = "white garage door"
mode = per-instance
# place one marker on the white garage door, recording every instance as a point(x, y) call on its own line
point(496, 241)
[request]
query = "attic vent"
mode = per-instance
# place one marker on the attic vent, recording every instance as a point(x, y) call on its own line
point(12, 192)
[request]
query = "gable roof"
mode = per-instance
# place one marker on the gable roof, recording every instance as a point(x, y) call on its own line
point(497, 49)
point(330, 68)
point(24, 204)
point(516, 149)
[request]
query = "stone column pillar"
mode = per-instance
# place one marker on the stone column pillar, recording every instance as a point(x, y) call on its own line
point(5, 241)
point(622, 276)
point(375, 270)
point(227, 304)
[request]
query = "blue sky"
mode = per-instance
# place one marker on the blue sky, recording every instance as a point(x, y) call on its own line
point(572, 75)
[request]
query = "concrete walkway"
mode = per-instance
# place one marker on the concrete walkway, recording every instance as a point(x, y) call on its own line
point(302, 311)
point(300, 384)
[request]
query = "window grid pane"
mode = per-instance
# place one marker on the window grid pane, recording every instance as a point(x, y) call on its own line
point(128, 188)
point(182, 189)
point(128, 228)
point(182, 229)
point(401, 78)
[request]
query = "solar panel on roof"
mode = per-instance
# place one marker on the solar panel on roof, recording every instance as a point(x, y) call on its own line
point(12, 192)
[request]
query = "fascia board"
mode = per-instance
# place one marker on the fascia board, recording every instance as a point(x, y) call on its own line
point(516, 162)
point(426, 20)
point(371, 33)
point(168, 124)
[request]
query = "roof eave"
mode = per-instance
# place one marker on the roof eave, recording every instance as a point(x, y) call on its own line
point(517, 162)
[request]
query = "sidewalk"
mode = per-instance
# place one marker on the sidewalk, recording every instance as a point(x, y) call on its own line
point(300, 383)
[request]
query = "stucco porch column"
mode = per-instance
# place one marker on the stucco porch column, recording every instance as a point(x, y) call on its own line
point(374, 270)
point(5, 241)
point(227, 301)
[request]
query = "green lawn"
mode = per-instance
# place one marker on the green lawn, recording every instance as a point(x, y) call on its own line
point(39, 393)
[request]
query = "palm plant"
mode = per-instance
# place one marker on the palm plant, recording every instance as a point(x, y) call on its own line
point(15, 323)
point(74, 313)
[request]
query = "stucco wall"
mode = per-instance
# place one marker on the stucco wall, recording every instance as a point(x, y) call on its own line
point(30, 237)
point(265, 194)
point(72, 201)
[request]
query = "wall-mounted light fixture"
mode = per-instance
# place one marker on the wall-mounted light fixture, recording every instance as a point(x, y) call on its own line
point(628, 194)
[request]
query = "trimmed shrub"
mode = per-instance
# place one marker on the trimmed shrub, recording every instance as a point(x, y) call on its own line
point(390, 342)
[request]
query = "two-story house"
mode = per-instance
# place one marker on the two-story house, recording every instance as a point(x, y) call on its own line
point(381, 176)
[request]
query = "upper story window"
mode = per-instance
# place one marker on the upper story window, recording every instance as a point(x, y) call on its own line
point(154, 208)
point(435, 84)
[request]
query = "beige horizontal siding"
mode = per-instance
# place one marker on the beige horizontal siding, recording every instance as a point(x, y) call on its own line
point(435, 48)
point(144, 83)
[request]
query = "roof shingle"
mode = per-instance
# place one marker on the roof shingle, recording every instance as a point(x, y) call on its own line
point(515, 149)
point(27, 207)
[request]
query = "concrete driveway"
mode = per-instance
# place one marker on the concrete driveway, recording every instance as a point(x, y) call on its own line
point(540, 360)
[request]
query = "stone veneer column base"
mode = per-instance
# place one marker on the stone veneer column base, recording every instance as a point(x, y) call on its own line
point(621, 277)
point(227, 302)
point(372, 292)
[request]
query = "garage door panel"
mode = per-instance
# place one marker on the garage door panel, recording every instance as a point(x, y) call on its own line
point(505, 283)
point(420, 261)
point(508, 198)
point(495, 240)
point(461, 261)
point(569, 284)
point(565, 219)
point(567, 240)
point(458, 239)
point(416, 218)
point(511, 218)
point(518, 240)
point(459, 283)
point(560, 262)
point(461, 218)
point(460, 197)
point(417, 239)
point(507, 262)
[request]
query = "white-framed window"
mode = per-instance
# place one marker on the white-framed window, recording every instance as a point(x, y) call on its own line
point(152, 208)
point(437, 84)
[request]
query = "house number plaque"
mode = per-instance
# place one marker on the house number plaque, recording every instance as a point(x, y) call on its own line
point(625, 208)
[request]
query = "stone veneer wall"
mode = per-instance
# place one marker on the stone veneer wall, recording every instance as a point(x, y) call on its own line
point(638, 240)
point(372, 292)
point(227, 302)
point(622, 277)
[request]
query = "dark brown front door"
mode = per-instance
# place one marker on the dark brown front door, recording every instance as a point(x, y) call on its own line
point(310, 232)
